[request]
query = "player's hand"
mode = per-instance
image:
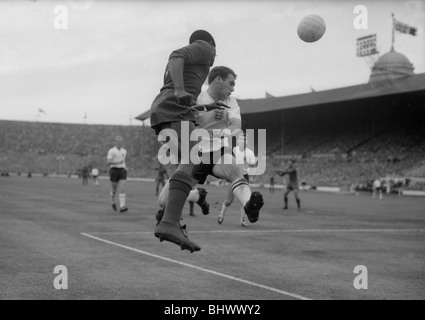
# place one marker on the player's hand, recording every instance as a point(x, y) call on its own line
point(184, 98)
point(214, 106)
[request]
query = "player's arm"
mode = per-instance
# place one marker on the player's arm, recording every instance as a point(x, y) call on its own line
point(110, 160)
point(251, 159)
point(235, 119)
point(235, 127)
point(176, 67)
point(281, 173)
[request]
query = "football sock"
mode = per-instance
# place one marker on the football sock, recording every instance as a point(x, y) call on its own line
point(224, 208)
point(112, 197)
point(122, 199)
point(180, 187)
point(193, 195)
point(241, 190)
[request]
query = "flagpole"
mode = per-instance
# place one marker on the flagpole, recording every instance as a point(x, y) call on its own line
point(392, 42)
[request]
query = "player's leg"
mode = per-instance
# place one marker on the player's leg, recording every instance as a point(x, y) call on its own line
point(229, 172)
point(251, 202)
point(285, 198)
point(297, 198)
point(114, 185)
point(196, 195)
point(181, 183)
point(226, 204)
point(122, 194)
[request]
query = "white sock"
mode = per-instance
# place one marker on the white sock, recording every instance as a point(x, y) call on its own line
point(241, 190)
point(223, 209)
point(122, 199)
point(242, 215)
point(193, 195)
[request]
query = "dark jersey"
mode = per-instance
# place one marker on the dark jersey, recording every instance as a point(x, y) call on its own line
point(161, 173)
point(198, 56)
point(292, 172)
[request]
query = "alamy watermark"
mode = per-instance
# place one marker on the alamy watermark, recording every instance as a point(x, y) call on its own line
point(60, 281)
point(191, 143)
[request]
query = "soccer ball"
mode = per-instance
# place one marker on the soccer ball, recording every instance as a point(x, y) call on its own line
point(311, 28)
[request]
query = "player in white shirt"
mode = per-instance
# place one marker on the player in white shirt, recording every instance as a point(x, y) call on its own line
point(95, 175)
point(224, 123)
point(247, 158)
point(377, 189)
point(117, 173)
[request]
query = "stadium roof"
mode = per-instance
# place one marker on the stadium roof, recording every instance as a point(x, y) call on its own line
point(249, 106)
point(410, 84)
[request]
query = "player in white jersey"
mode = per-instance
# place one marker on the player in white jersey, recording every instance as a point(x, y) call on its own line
point(117, 173)
point(377, 189)
point(246, 158)
point(222, 165)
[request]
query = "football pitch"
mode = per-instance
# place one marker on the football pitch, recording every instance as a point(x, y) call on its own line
point(308, 254)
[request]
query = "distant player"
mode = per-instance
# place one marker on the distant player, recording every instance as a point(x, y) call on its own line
point(271, 187)
point(241, 151)
point(95, 176)
point(161, 177)
point(291, 171)
point(117, 173)
point(85, 175)
point(377, 189)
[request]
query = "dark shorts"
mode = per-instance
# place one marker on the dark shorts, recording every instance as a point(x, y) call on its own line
point(292, 186)
point(202, 171)
point(165, 109)
point(117, 174)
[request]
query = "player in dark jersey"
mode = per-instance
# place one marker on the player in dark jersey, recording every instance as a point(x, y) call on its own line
point(186, 72)
point(291, 171)
point(160, 179)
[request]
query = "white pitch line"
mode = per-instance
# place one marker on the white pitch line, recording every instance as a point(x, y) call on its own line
point(199, 268)
point(274, 231)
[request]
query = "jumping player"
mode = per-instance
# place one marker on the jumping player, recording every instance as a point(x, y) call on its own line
point(117, 173)
point(292, 185)
point(222, 163)
point(185, 73)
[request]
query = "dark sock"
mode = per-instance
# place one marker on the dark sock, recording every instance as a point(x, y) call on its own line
point(299, 203)
point(180, 186)
point(286, 202)
point(191, 203)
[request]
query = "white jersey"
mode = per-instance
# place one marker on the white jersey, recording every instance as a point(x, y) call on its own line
point(117, 155)
point(95, 172)
point(248, 157)
point(376, 184)
point(206, 120)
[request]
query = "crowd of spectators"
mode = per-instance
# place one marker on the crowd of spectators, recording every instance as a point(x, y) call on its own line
point(354, 156)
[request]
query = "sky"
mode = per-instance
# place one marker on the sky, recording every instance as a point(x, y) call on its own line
point(102, 62)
